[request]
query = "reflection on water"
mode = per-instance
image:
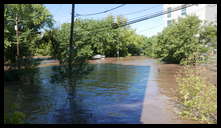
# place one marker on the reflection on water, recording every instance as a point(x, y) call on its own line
point(106, 93)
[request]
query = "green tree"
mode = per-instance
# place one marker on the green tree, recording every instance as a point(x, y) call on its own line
point(31, 19)
point(149, 46)
point(93, 37)
point(184, 39)
point(208, 35)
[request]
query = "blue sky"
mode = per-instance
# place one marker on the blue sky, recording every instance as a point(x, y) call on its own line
point(62, 14)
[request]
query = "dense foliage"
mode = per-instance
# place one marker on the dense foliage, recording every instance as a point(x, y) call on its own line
point(177, 43)
point(93, 37)
point(181, 40)
point(31, 19)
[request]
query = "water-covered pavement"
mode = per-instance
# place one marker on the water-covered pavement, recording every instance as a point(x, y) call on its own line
point(159, 106)
point(115, 90)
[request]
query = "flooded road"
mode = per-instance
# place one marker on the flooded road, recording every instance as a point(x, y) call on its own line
point(159, 106)
point(115, 90)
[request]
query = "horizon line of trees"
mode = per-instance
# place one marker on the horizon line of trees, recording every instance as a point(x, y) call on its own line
point(177, 43)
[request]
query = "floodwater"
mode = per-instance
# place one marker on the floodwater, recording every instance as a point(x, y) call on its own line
point(114, 90)
point(110, 93)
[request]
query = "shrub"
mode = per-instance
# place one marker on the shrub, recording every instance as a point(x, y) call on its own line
point(194, 59)
point(15, 118)
point(198, 97)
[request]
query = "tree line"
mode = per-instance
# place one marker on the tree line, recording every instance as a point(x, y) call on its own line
point(177, 43)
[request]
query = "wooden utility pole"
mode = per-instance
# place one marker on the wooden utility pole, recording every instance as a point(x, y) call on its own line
point(71, 37)
point(17, 36)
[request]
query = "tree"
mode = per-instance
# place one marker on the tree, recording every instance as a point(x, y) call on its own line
point(149, 46)
point(183, 39)
point(31, 19)
point(93, 37)
point(208, 35)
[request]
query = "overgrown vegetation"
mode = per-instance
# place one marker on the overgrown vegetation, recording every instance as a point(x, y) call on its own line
point(182, 40)
point(197, 95)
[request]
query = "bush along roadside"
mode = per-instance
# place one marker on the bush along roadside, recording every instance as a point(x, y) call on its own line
point(14, 118)
point(197, 96)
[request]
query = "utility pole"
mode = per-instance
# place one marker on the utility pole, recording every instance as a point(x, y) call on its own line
point(17, 36)
point(118, 47)
point(71, 37)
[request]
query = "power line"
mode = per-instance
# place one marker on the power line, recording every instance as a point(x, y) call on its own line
point(157, 14)
point(146, 17)
point(143, 16)
point(131, 13)
point(161, 24)
point(77, 15)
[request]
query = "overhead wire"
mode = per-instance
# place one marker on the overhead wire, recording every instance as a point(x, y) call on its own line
point(162, 24)
point(91, 14)
point(156, 14)
point(144, 15)
point(131, 13)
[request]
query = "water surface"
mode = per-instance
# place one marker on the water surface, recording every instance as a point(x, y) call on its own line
point(110, 93)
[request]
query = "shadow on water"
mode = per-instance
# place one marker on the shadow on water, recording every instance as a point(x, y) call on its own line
point(94, 93)
point(72, 111)
point(28, 69)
